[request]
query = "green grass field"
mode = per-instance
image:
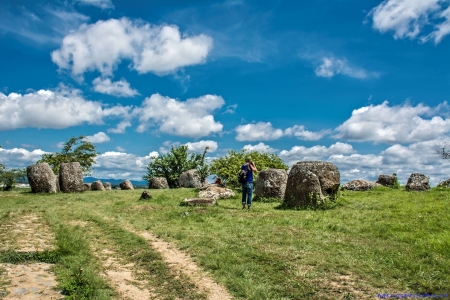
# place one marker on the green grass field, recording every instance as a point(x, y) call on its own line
point(369, 243)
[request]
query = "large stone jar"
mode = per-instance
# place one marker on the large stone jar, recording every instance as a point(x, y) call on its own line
point(71, 177)
point(271, 183)
point(42, 179)
point(310, 182)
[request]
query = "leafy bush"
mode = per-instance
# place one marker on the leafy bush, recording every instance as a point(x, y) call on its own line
point(174, 163)
point(228, 167)
point(396, 184)
point(84, 153)
point(9, 177)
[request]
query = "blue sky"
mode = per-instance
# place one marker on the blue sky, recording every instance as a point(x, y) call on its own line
point(363, 84)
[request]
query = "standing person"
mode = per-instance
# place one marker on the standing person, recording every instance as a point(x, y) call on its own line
point(247, 187)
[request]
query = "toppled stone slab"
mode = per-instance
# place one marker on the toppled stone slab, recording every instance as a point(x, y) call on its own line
point(360, 185)
point(215, 192)
point(200, 201)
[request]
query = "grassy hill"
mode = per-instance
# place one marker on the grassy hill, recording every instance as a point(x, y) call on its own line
point(369, 243)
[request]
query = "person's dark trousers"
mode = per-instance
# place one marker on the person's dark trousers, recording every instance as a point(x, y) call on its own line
point(247, 193)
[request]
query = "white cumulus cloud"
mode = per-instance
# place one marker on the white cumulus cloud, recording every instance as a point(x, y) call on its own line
point(121, 165)
point(119, 88)
point(301, 133)
point(410, 18)
point(103, 45)
point(264, 131)
point(261, 147)
point(98, 138)
point(60, 108)
point(19, 157)
point(121, 127)
point(190, 118)
point(298, 153)
point(331, 66)
point(201, 145)
point(395, 124)
point(260, 131)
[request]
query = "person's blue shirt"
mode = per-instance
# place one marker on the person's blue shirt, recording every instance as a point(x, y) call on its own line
point(249, 173)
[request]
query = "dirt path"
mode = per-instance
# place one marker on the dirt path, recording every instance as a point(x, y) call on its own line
point(33, 280)
point(28, 234)
point(30, 281)
point(121, 277)
point(181, 262)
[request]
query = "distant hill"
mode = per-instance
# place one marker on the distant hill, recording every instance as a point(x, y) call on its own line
point(115, 181)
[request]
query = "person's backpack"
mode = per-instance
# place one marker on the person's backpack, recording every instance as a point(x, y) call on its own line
point(242, 177)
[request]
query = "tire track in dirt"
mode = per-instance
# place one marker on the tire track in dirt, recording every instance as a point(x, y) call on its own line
point(181, 262)
point(121, 277)
point(33, 280)
point(27, 234)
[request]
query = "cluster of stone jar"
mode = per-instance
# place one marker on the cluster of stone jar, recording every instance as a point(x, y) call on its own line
point(308, 182)
point(69, 180)
point(312, 182)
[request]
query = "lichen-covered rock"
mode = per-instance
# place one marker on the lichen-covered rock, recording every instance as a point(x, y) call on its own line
point(215, 192)
point(71, 177)
point(42, 179)
point(418, 182)
point(445, 183)
point(126, 185)
point(309, 182)
point(190, 179)
point(146, 195)
point(97, 186)
point(158, 183)
point(387, 180)
point(360, 185)
point(271, 183)
point(107, 186)
point(87, 186)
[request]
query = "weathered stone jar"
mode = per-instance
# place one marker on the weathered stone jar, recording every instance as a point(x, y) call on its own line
point(42, 179)
point(271, 183)
point(309, 182)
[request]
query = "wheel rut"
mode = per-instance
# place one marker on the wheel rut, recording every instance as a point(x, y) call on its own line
point(28, 234)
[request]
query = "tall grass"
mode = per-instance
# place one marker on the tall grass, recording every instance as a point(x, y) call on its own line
point(379, 241)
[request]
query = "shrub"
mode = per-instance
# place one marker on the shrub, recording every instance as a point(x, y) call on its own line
point(9, 177)
point(228, 167)
point(174, 163)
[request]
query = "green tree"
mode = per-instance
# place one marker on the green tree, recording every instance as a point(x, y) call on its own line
point(173, 164)
point(228, 167)
point(76, 149)
point(9, 177)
